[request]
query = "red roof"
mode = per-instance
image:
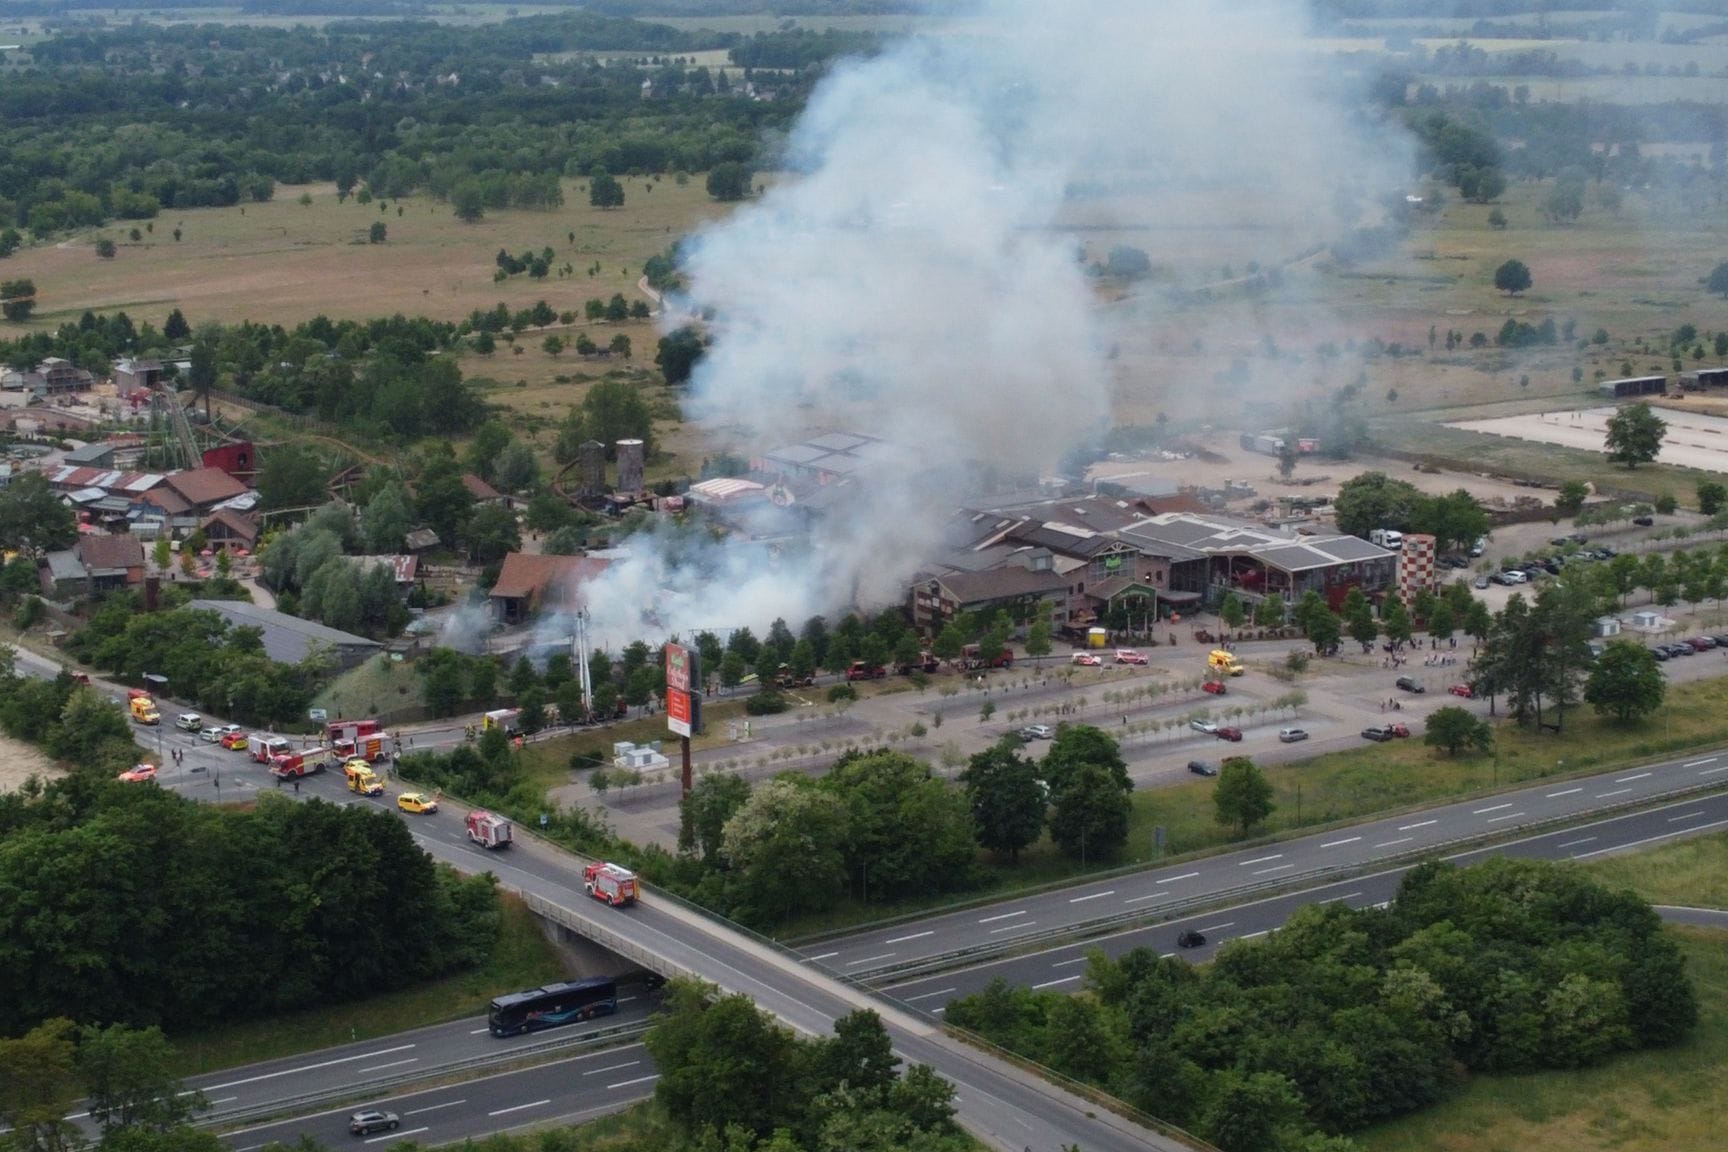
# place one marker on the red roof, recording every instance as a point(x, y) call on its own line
point(480, 490)
point(526, 576)
point(106, 552)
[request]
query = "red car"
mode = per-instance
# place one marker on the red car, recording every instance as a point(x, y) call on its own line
point(1234, 735)
point(1463, 690)
point(1213, 687)
point(1399, 730)
point(138, 774)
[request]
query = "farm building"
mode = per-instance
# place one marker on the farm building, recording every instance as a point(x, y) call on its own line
point(529, 584)
point(1634, 386)
point(289, 639)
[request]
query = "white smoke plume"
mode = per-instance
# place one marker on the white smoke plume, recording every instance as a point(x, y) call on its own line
point(915, 276)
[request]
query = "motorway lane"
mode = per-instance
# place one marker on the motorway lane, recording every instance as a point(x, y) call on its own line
point(1356, 846)
point(1063, 967)
point(561, 1092)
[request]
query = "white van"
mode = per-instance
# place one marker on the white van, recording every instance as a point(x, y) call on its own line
point(189, 721)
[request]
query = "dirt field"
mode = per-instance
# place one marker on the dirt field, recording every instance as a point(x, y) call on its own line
point(1694, 440)
point(19, 761)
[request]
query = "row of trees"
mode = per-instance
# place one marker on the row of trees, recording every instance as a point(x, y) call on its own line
point(1375, 500)
point(1348, 1017)
point(132, 904)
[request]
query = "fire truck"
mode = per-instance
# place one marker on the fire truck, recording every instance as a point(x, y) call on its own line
point(508, 719)
point(265, 748)
point(488, 829)
point(293, 765)
point(610, 883)
point(350, 730)
point(371, 747)
point(972, 658)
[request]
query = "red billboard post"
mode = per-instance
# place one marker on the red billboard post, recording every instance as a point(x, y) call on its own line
point(683, 707)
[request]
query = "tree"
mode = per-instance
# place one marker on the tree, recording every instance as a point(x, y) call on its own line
point(1231, 613)
point(1570, 499)
point(1634, 435)
point(1497, 220)
point(516, 470)
point(1286, 462)
point(1512, 277)
point(33, 520)
point(905, 826)
point(378, 233)
point(786, 846)
point(1626, 683)
point(617, 309)
point(729, 181)
point(1243, 797)
point(1323, 629)
point(604, 191)
point(1718, 281)
point(175, 327)
point(1089, 813)
point(129, 1075)
point(1452, 728)
point(712, 801)
point(202, 376)
point(1375, 500)
point(10, 241)
point(1454, 520)
point(723, 1063)
point(468, 200)
point(1395, 620)
point(1712, 496)
point(17, 299)
point(106, 249)
point(1442, 621)
point(291, 477)
point(386, 519)
point(1038, 636)
point(679, 353)
point(1008, 799)
point(1079, 744)
point(733, 666)
point(38, 1086)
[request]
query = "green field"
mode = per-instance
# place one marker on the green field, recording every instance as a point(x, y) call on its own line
point(1660, 1101)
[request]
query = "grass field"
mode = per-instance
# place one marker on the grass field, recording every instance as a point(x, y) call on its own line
point(522, 958)
point(1674, 1100)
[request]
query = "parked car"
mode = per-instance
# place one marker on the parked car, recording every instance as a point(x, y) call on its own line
point(1682, 650)
point(234, 741)
point(1660, 651)
point(1129, 656)
point(211, 735)
point(138, 774)
point(1399, 731)
point(188, 721)
point(1406, 684)
point(1205, 726)
point(1514, 576)
point(1213, 687)
point(363, 1123)
point(1644, 521)
point(1721, 639)
point(1037, 732)
point(1188, 938)
point(1480, 583)
point(1464, 690)
point(1292, 735)
point(1087, 659)
point(1201, 768)
point(1702, 643)
point(1379, 734)
point(1234, 735)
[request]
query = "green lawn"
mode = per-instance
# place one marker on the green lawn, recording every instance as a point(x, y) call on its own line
point(1674, 1100)
point(523, 958)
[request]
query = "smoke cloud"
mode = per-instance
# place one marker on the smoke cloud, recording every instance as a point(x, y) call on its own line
point(916, 274)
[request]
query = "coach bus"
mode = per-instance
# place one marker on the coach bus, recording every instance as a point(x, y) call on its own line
point(551, 1006)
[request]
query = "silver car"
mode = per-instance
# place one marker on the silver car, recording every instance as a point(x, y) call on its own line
point(1205, 726)
point(1292, 735)
point(372, 1120)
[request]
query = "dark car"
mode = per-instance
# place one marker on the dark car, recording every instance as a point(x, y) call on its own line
point(1189, 939)
point(362, 1123)
point(1660, 652)
point(1201, 768)
point(1683, 649)
point(1234, 735)
point(1379, 734)
point(1702, 643)
point(1406, 684)
point(1643, 521)
point(1721, 639)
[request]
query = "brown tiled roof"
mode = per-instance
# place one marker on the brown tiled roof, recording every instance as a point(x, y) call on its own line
point(524, 575)
point(242, 526)
point(165, 498)
point(480, 490)
point(118, 551)
point(202, 487)
point(1001, 583)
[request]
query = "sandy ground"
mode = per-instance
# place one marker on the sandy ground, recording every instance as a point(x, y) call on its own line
point(1694, 440)
point(19, 761)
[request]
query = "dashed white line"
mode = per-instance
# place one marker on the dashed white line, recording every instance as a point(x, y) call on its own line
point(1065, 963)
point(435, 1107)
point(1490, 808)
point(1346, 896)
point(1574, 843)
point(1173, 879)
point(1616, 792)
point(1013, 927)
point(1508, 816)
point(1138, 899)
point(628, 1083)
point(1219, 927)
point(1390, 843)
point(611, 1068)
point(868, 960)
point(1053, 983)
point(1260, 860)
point(1695, 763)
point(1274, 868)
point(927, 995)
point(1004, 916)
point(1253, 935)
point(1340, 843)
point(392, 1064)
point(1634, 776)
point(1684, 816)
point(398, 1135)
point(1564, 792)
point(1420, 824)
point(1083, 899)
point(914, 936)
point(1713, 771)
point(1646, 840)
point(824, 956)
point(309, 1067)
point(524, 1107)
point(477, 1031)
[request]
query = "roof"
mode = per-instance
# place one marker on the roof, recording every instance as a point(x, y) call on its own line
point(479, 489)
point(113, 553)
point(840, 453)
point(1183, 536)
point(95, 452)
point(287, 639)
point(168, 500)
point(203, 486)
point(1001, 584)
point(242, 526)
point(524, 575)
point(405, 568)
point(64, 565)
point(420, 538)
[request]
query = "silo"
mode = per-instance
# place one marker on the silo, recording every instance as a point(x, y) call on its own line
point(591, 466)
point(630, 459)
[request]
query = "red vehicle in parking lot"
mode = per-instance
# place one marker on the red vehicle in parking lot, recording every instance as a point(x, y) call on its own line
point(1234, 735)
point(1463, 690)
point(1213, 687)
point(1399, 730)
point(862, 671)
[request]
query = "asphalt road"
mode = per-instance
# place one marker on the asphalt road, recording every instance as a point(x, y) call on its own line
point(1222, 877)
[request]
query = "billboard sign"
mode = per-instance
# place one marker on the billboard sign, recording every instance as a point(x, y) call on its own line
point(682, 712)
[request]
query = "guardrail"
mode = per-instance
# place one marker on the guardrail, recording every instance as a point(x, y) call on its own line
point(941, 962)
point(596, 1038)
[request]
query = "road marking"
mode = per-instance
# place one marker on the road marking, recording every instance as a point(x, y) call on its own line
point(522, 1107)
point(1065, 963)
point(1421, 824)
point(1220, 927)
point(1634, 776)
point(868, 960)
point(824, 956)
point(1490, 808)
point(927, 995)
point(1137, 899)
point(1252, 935)
point(392, 1064)
point(611, 1068)
point(1083, 899)
point(1508, 816)
point(1260, 860)
point(1274, 868)
point(938, 1011)
point(1340, 843)
point(1684, 816)
point(1346, 896)
point(1400, 840)
point(435, 1107)
point(477, 1031)
point(1013, 927)
point(1574, 843)
point(397, 1135)
point(1649, 840)
point(1616, 792)
point(1564, 792)
point(914, 936)
point(1053, 983)
point(309, 1067)
point(1004, 916)
point(1695, 763)
point(224, 1100)
point(628, 1083)
point(1173, 879)
point(1713, 771)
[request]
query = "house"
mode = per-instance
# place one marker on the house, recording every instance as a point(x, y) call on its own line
point(1013, 588)
point(289, 639)
point(53, 377)
point(96, 454)
point(226, 528)
point(97, 563)
point(136, 376)
point(405, 569)
point(203, 488)
point(420, 540)
point(483, 492)
point(239, 459)
point(529, 584)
